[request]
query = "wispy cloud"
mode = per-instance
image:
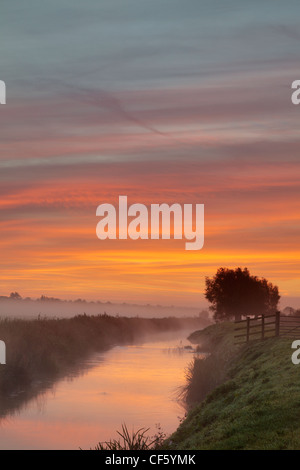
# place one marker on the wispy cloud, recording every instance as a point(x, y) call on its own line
point(164, 101)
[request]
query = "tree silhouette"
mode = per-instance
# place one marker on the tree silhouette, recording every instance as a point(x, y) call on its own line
point(15, 296)
point(234, 293)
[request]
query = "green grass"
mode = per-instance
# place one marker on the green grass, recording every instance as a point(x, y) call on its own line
point(257, 402)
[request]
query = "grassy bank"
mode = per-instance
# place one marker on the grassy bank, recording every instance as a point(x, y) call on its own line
point(45, 349)
point(249, 396)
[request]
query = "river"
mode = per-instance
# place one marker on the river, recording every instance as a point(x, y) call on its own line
point(136, 385)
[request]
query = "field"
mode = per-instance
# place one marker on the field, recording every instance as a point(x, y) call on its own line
point(248, 396)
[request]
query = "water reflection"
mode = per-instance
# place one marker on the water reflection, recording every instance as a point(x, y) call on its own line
point(135, 384)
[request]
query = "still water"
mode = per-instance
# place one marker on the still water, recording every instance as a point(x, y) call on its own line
point(137, 385)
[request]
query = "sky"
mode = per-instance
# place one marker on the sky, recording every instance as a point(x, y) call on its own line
point(164, 101)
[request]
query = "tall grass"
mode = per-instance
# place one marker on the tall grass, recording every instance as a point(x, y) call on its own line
point(206, 372)
point(136, 440)
point(202, 375)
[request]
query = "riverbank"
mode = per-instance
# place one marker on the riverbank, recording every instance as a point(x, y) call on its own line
point(43, 350)
point(248, 396)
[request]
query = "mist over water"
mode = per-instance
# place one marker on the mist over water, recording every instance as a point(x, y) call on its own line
point(67, 309)
point(136, 384)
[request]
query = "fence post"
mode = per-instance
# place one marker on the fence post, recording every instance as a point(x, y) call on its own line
point(277, 324)
point(248, 329)
point(262, 326)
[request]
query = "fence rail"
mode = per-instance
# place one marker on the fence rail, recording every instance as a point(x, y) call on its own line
point(267, 326)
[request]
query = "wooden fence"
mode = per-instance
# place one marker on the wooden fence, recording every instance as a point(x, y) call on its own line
point(267, 326)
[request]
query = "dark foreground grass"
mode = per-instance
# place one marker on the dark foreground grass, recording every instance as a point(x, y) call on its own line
point(256, 404)
point(133, 440)
point(45, 349)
